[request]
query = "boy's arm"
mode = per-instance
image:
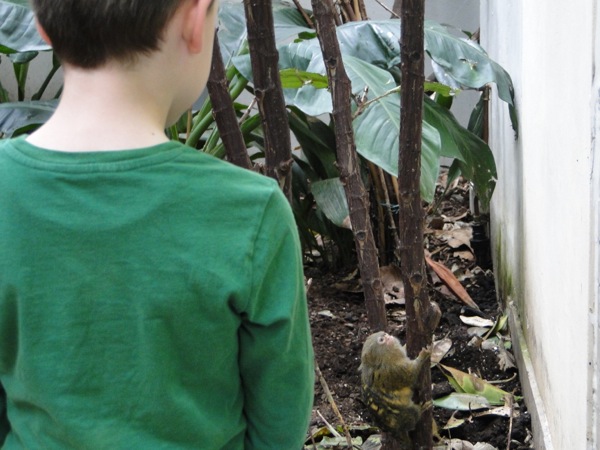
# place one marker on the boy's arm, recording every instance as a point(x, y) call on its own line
point(4, 424)
point(276, 355)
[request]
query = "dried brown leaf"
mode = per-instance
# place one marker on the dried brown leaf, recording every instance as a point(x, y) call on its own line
point(452, 282)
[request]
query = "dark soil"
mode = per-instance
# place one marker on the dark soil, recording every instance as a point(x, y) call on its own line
point(340, 326)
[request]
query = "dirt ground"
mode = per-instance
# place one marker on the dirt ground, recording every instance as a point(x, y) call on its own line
point(339, 327)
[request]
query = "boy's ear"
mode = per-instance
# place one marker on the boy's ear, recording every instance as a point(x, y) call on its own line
point(195, 24)
point(42, 33)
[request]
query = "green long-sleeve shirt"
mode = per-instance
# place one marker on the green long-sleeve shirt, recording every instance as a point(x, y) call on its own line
point(149, 299)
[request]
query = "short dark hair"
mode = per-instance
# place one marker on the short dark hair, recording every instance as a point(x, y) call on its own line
point(89, 33)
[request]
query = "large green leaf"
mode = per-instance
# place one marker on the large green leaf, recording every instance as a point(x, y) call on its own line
point(318, 144)
point(462, 60)
point(465, 61)
point(369, 50)
point(304, 56)
point(232, 26)
point(294, 79)
point(16, 118)
point(17, 28)
point(373, 41)
point(331, 199)
point(475, 159)
point(377, 130)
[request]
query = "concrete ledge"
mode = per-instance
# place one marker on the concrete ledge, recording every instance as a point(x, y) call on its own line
point(539, 422)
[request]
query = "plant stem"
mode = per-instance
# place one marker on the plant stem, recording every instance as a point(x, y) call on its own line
point(349, 165)
point(264, 58)
point(227, 125)
point(422, 315)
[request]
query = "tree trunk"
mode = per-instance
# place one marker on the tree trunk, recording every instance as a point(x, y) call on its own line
point(348, 163)
point(422, 315)
point(229, 129)
point(268, 91)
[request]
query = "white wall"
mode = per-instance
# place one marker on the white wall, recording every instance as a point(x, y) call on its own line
point(544, 222)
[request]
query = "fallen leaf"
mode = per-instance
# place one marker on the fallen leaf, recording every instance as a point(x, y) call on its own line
point(453, 422)
point(505, 359)
point(455, 444)
point(470, 384)
point(500, 324)
point(337, 442)
point(459, 444)
point(457, 235)
point(502, 411)
point(477, 321)
point(467, 255)
point(484, 446)
point(440, 349)
point(450, 280)
point(372, 443)
point(477, 331)
point(462, 402)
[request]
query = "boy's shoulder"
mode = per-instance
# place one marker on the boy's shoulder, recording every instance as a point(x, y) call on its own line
point(171, 152)
point(171, 162)
point(215, 168)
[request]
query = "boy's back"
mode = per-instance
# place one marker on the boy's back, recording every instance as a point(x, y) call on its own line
point(145, 302)
point(150, 296)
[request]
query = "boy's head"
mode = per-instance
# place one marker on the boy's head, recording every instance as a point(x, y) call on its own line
point(89, 33)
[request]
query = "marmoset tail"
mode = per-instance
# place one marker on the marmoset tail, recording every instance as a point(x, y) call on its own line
point(388, 378)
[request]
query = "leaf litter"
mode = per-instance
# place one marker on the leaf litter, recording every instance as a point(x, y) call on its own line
point(472, 340)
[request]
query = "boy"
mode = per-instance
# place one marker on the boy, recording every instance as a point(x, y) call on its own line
point(151, 297)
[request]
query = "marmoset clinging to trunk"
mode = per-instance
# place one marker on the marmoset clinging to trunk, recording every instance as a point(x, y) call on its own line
point(388, 378)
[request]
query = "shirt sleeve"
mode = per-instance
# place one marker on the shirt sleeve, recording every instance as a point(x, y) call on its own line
point(4, 424)
point(276, 354)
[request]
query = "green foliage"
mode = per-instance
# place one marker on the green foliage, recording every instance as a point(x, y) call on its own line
point(21, 117)
point(17, 29)
point(20, 44)
point(371, 55)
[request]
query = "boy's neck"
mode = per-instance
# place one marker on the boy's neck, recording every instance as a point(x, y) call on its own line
point(111, 108)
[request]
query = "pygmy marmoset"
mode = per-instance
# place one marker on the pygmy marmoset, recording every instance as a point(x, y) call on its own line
point(388, 378)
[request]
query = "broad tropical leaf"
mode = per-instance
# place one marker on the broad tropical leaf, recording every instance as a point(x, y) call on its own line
point(18, 117)
point(17, 28)
point(377, 130)
point(232, 26)
point(330, 197)
point(465, 61)
point(474, 156)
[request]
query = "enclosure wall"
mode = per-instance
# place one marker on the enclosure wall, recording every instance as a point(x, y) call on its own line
point(544, 235)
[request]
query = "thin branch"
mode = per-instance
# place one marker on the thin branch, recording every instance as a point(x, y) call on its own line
point(511, 405)
point(247, 112)
point(333, 405)
point(348, 11)
point(309, 22)
point(362, 106)
point(393, 228)
point(387, 8)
